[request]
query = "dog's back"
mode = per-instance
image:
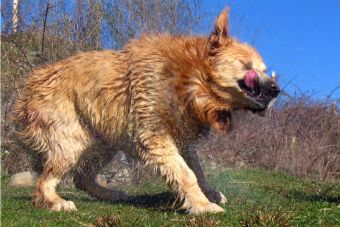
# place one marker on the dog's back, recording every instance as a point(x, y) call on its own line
point(73, 90)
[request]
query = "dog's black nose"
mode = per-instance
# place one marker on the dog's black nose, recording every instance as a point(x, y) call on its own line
point(274, 89)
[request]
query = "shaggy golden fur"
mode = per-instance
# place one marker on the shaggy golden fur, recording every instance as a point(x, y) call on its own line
point(153, 99)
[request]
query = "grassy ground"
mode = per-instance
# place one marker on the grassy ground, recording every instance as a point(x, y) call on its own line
point(256, 198)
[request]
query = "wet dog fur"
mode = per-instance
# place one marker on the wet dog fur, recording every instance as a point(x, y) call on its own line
point(153, 99)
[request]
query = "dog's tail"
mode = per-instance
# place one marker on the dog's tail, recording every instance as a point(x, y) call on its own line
point(28, 127)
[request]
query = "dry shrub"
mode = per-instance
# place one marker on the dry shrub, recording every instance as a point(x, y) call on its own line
point(300, 136)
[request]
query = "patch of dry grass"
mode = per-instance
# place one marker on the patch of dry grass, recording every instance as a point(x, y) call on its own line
point(109, 221)
point(266, 218)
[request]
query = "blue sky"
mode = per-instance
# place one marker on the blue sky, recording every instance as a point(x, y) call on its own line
point(299, 39)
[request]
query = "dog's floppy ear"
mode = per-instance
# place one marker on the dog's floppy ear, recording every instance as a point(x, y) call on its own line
point(219, 36)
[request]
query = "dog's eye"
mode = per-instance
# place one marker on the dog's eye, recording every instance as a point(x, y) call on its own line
point(247, 65)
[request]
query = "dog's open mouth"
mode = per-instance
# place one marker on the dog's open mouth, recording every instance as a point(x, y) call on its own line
point(250, 85)
point(260, 94)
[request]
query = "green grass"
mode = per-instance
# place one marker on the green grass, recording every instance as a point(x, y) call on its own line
point(256, 198)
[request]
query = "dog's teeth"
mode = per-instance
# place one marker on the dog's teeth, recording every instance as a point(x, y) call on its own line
point(273, 75)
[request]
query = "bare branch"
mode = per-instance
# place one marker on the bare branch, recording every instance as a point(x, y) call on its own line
point(44, 29)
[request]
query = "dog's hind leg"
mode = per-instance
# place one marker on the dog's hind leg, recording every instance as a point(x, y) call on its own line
point(65, 144)
point(90, 165)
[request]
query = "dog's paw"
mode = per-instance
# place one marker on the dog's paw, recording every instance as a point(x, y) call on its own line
point(62, 205)
point(215, 196)
point(205, 208)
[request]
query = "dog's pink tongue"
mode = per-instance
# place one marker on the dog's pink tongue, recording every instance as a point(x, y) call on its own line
point(250, 79)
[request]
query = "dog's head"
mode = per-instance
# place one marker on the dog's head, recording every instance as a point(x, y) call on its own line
point(238, 77)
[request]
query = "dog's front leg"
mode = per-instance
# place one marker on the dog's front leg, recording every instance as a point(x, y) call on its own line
point(191, 158)
point(160, 151)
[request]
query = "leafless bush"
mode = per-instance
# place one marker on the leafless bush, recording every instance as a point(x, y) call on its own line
point(300, 137)
point(127, 19)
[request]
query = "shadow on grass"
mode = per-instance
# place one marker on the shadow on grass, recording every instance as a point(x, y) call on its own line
point(160, 201)
point(315, 197)
point(22, 197)
point(324, 195)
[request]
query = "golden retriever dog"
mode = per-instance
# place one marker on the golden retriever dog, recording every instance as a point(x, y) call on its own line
point(153, 99)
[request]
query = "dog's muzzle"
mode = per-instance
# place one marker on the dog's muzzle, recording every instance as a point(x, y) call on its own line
point(261, 91)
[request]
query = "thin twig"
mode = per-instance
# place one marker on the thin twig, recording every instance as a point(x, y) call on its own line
point(44, 29)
